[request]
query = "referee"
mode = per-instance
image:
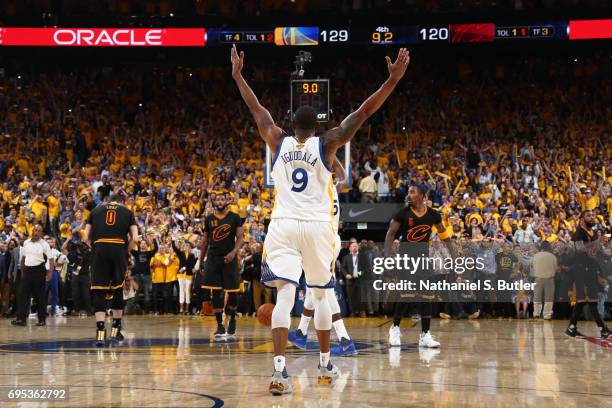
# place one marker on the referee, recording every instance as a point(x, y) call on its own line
point(112, 231)
point(34, 255)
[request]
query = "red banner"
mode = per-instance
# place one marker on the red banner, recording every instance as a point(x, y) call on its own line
point(461, 33)
point(590, 29)
point(104, 37)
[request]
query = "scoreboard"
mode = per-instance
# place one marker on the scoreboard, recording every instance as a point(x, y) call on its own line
point(215, 36)
point(313, 92)
point(375, 34)
point(548, 31)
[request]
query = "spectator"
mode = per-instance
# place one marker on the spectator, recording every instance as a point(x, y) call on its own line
point(368, 189)
point(79, 263)
point(354, 265)
point(5, 286)
point(382, 181)
point(158, 278)
point(544, 267)
point(525, 234)
point(142, 269)
point(252, 272)
point(14, 274)
point(187, 262)
point(55, 263)
point(506, 264)
point(171, 281)
point(369, 295)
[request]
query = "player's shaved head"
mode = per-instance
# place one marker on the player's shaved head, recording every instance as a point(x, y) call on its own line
point(117, 198)
point(305, 118)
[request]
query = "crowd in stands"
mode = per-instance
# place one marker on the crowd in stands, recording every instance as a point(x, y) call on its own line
point(511, 151)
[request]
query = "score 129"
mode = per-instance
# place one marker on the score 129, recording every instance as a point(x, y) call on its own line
point(334, 35)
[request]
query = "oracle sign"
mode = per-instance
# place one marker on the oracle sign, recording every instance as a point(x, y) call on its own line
point(80, 36)
point(104, 37)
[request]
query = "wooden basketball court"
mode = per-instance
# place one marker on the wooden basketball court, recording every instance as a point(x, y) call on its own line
point(173, 361)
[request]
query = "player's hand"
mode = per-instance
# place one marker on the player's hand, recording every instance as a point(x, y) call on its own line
point(237, 61)
point(398, 68)
point(230, 257)
point(48, 276)
point(349, 276)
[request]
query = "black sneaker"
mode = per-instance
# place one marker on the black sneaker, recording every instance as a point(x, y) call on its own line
point(18, 322)
point(231, 327)
point(116, 336)
point(573, 332)
point(100, 338)
point(220, 331)
point(41, 323)
point(605, 332)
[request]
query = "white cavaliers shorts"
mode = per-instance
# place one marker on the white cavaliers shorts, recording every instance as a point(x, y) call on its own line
point(295, 245)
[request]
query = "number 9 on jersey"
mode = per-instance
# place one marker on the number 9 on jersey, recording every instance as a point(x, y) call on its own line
point(300, 180)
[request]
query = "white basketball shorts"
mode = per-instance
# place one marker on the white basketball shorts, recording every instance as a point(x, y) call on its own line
point(292, 245)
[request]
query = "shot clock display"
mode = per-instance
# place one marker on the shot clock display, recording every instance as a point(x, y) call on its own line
point(313, 92)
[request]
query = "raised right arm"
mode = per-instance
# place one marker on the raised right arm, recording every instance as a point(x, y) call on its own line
point(342, 134)
point(268, 130)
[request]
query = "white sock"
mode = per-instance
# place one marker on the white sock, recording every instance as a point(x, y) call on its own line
point(340, 329)
point(279, 363)
point(304, 322)
point(324, 359)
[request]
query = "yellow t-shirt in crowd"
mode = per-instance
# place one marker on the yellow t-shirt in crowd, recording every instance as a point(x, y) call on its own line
point(158, 268)
point(172, 268)
point(65, 230)
point(54, 206)
point(37, 208)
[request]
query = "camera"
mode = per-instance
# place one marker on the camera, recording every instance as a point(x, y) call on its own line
point(300, 60)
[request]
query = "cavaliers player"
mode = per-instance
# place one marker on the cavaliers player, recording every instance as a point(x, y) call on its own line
point(585, 275)
point(299, 337)
point(413, 224)
point(301, 234)
point(112, 232)
point(222, 238)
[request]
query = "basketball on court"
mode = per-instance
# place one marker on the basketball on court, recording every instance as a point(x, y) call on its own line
point(264, 314)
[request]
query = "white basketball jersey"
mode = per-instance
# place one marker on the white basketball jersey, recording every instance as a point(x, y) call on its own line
point(303, 183)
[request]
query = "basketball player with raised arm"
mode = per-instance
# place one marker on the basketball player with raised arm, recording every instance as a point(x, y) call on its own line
point(299, 337)
point(301, 234)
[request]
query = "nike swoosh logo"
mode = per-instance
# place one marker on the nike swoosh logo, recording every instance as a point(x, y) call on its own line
point(358, 213)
